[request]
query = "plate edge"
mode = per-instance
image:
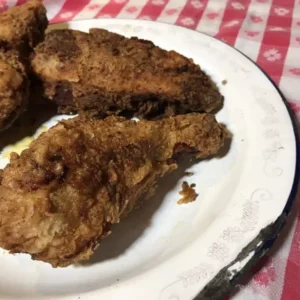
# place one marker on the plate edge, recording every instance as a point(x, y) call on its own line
point(224, 281)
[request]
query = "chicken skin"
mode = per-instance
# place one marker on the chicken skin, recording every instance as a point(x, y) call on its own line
point(104, 73)
point(21, 28)
point(14, 88)
point(59, 198)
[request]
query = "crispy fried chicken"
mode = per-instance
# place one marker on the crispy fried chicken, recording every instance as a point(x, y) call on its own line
point(59, 198)
point(103, 73)
point(14, 87)
point(21, 28)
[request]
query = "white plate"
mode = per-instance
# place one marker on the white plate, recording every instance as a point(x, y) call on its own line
point(170, 251)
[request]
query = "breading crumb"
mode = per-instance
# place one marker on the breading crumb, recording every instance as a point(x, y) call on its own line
point(189, 174)
point(188, 193)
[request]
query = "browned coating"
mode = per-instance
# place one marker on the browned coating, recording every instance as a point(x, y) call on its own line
point(103, 73)
point(59, 198)
point(21, 28)
point(14, 88)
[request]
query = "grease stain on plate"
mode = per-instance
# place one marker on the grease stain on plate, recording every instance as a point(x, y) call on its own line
point(22, 144)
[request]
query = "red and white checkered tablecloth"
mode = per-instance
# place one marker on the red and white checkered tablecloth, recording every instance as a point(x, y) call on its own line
point(268, 31)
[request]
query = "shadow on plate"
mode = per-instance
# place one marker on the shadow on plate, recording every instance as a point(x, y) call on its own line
point(132, 227)
point(28, 123)
point(227, 144)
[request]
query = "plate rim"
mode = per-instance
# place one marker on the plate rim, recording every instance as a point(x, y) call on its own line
point(267, 235)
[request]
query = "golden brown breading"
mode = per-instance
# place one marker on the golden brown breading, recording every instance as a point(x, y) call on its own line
point(59, 199)
point(103, 73)
point(14, 88)
point(22, 27)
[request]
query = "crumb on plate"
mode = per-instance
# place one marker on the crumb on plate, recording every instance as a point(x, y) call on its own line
point(188, 193)
point(189, 174)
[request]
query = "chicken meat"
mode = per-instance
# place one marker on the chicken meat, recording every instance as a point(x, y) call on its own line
point(21, 28)
point(14, 87)
point(103, 73)
point(60, 197)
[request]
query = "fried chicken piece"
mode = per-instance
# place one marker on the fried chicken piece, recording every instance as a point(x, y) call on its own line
point(21, 28)
point(59, 198)
point(103, 73)
point(14, 88)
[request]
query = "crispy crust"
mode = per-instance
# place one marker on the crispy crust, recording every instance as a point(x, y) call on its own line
point(59, 199)
point(22, 27)
point(14, 88)
point(103, 73)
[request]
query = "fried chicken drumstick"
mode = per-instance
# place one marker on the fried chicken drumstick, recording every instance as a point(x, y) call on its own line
point(103, 73)
point(21, 28)
point(59, 198)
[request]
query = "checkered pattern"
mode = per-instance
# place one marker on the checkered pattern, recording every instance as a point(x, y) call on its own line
point(268, 31)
